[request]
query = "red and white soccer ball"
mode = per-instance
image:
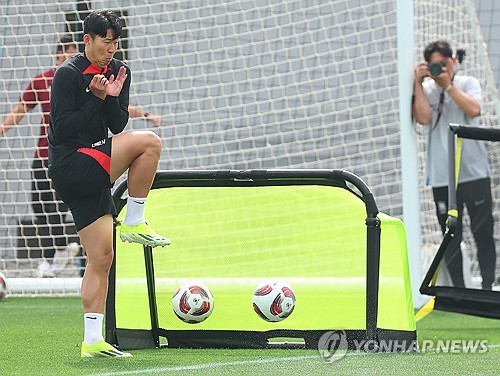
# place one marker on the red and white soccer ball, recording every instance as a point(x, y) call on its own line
point(193, 302)
point(273, 300)
point(3, 286)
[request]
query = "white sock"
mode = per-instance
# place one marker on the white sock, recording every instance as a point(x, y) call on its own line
point(135, 211)
point(93, 327)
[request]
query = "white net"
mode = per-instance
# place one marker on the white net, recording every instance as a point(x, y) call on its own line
point(457, 22)
point(239, 85)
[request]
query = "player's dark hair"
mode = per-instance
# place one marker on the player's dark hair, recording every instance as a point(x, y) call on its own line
point(440, 46)
point(64, 43)
point(98, 23)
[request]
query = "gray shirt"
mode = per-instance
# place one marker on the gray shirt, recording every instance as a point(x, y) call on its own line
point(474, 160)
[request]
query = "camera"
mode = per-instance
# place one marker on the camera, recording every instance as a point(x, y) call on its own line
point(435, 69)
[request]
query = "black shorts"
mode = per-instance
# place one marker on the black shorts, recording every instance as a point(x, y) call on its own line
point(82, 181)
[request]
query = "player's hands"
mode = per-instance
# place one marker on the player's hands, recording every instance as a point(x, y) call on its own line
point(98, 86)
point(116, 84)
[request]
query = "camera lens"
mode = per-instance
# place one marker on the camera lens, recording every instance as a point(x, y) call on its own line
point(435, 69)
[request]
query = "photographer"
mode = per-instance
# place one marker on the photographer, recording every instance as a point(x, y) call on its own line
point(448, 98)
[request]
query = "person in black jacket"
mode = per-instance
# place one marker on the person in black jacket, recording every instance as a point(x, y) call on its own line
point(90, 95)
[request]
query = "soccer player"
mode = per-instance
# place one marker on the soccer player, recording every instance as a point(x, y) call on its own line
point(47, 207)
point(90, 95)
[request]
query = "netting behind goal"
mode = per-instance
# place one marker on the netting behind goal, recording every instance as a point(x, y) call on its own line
point(457, 22)
point(239, 85)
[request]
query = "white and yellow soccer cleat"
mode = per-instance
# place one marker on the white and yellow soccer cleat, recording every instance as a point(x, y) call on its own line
point(102, 349)
point(142, 234)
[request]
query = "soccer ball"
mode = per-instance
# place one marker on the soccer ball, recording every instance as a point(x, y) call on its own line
point(193, 302)
point(273, 300)
point(3, 286)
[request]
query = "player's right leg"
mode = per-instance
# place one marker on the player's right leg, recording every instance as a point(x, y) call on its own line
point(84, 183)
point(97, 240)
point(139, 152)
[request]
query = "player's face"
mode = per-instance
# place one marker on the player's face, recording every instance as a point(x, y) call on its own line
point(100, 50)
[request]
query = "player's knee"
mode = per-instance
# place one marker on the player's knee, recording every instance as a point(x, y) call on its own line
point(153, 142)
point(102, 261)
point(107, 258)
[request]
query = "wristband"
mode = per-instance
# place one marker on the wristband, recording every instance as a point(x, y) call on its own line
point(448, 88)
point(146, 115)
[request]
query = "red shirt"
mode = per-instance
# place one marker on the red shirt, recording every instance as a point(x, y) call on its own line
point(38, 92)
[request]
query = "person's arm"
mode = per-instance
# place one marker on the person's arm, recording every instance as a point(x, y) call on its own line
point(116, 114)
point(420, 108)
point(464, 101)
point(117, 101)
point(467, 103)
point(65, 118)
point(27, 102)
point(14, 117)
point(137, 112)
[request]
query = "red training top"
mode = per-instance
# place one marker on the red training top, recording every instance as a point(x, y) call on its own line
point(38, 92)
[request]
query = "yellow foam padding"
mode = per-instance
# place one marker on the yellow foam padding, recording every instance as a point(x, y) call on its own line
point(458, 156)
point(425, 310)
point(232, 238)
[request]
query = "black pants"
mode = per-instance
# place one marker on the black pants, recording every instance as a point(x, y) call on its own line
point(477, 196)
point(49, 210)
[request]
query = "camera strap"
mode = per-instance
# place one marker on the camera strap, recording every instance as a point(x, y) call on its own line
point(441, 105)
point(440, 110)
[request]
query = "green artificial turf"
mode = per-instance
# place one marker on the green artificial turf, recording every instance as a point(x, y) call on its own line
point(41, 336)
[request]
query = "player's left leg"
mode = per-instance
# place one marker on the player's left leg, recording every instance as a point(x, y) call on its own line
point(139, 152)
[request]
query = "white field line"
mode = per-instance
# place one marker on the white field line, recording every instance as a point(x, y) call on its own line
point(196, 367)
